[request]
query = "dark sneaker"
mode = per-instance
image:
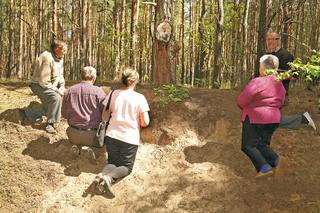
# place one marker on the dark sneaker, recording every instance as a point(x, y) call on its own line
point(75, 150)
point(22, 119)
point(91, 155)
point(50, 129)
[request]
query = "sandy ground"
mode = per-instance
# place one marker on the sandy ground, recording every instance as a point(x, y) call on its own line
point(190, 161)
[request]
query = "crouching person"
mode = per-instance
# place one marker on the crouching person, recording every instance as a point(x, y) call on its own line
point(129, 111)
point(82, 106)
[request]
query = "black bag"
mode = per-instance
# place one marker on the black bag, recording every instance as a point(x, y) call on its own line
point(98, 140)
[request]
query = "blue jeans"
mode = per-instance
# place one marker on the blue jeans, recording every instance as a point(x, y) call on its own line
point(292, 122)
point(255, 144)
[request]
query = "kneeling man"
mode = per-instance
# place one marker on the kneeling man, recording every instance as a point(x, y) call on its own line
point(82, 107)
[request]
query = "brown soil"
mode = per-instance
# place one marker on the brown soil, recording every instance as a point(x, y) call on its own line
point(190, 161)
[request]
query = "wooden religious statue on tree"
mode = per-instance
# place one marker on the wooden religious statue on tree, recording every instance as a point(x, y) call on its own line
point(161, 59)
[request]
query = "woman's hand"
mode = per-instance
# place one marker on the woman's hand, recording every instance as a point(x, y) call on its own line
point(144, 119)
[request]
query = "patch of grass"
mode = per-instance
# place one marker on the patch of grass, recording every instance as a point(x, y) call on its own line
point(170, 93)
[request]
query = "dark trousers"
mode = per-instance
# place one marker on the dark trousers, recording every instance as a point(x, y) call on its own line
point(256, 143)
point(285, 84)
point(121, 158)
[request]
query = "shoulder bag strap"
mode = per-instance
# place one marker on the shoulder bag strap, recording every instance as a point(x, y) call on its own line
point(106, 114)
point(109, 100)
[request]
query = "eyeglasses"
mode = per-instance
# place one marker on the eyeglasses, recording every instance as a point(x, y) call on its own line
point(269, 39)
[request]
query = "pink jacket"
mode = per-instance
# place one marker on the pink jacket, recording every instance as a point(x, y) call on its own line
point(261, 100)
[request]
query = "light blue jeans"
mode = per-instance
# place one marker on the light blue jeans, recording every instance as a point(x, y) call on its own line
point(292, 122)
point(51, 105)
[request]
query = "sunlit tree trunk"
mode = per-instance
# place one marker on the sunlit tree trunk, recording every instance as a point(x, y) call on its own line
point(40, 27)
point(88, 46)
point(244, 49)
point(54, 19)
point(161, 43)
point(20, 67)
point(1, 38)
point(218, 47)
point(314, 11)
point(183, 80)
point(134, 36)
point(10, 64)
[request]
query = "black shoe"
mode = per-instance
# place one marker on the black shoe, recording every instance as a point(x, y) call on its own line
point(22, 116)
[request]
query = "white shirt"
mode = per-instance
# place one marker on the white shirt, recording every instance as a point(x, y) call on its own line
point(126, 106)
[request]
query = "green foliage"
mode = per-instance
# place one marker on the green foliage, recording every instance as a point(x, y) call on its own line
point(170, 93)
point(309, 70)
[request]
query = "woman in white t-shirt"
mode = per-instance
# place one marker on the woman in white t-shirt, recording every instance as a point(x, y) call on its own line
point(129, 111)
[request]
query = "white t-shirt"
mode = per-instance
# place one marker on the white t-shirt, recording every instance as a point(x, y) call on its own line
point(126, 106)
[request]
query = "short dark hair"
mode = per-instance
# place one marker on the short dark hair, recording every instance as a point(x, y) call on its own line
point(58, 44)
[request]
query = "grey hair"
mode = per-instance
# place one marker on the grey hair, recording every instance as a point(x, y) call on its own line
point(88, 73)
point(269, 62)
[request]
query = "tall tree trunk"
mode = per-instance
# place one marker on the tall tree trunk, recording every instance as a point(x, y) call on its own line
point(218, 47)
point(183, 81)
point(19, 74)
point(314, 24)
point(191, 44)
point(163, 37)
point(285, 23)
point(88, 46)
point(10, 64)
point(202, 51)
point(261, 34)
point(134, 23)
point(54, 18)
point(123, 30)
point(40, 28)
point(245, 52)
point(1, 37)
point(84, 58)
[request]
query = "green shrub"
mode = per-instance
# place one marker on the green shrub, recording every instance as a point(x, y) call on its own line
point(170, 93)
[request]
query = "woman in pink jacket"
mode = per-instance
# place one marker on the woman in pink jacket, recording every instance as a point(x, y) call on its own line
point(261, 101)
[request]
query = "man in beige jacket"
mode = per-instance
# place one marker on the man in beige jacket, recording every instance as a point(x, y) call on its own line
point(48, 84)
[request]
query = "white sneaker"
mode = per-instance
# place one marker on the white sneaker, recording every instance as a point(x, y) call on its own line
point(108, 185)
point(311, 123)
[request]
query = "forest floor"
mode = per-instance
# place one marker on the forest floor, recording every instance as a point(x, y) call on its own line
point(190, 161)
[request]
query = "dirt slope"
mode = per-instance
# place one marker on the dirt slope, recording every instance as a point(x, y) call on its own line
point(190, 161)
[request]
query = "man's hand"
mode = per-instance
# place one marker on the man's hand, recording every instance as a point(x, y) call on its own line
point(61, 91)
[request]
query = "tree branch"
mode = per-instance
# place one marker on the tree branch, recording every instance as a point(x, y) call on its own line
point(149, 3)
point(297, 40)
